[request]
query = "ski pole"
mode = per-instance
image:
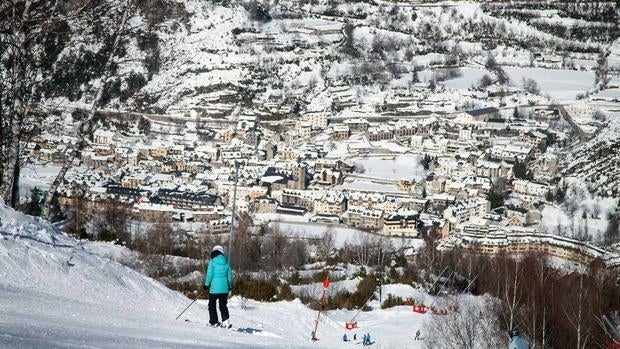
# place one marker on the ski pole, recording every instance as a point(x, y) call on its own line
point(190, 304)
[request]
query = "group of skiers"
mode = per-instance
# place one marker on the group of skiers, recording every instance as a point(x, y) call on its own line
point(365, 338)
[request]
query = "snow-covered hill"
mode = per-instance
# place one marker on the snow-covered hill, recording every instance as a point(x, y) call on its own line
point(56, 294)
point(212, 57)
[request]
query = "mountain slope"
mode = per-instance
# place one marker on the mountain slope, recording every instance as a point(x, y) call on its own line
point(56, 295)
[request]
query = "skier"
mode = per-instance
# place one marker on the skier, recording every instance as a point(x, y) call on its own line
point(344, 338)
point(354, 336)
point(364, 339)
point(516, 341)
point(217, 282)
point(417, 335)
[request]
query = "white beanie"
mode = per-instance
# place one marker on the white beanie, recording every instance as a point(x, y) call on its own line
point(218, 248)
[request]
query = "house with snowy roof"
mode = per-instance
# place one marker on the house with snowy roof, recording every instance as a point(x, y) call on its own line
point(401, 223)
point(483, 114)
point(101, 136)
point(331, 203)
point(365, 218)
point(465, 210)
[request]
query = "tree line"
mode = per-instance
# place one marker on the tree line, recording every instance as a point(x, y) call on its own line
point(553, 306)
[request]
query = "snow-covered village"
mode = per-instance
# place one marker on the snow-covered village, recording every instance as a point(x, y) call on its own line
point(309, 174)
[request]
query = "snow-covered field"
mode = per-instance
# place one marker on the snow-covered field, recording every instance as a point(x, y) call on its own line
point(55, 294)
point(469, 77)
point(405, 166)
point(39, 176)
point(557, 220)
point(562, 85)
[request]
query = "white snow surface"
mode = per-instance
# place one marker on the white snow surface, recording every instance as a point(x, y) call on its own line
point(56, 294)
point(392, 167)
point(37, 175)
point(561, 85)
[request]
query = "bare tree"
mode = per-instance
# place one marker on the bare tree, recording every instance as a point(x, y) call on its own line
point(596, 210)
point(463, 329)
point(115, 220)
point(531, 86)
point(326, 244)
point(485, 81)
point(160, 242)
point(576, 314)
point(24, 28)
point(601, 75)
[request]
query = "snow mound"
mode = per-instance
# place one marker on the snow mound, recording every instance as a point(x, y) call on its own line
point(37, 256)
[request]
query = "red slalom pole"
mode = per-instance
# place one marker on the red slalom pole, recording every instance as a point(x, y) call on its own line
point(316, 323)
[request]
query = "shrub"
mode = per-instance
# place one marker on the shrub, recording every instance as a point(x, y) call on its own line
point(286, 293)
point(391, 301)
point(257, 289)
point(295, 278)
point(339, 300)
point(365, 289)
point(320, 276)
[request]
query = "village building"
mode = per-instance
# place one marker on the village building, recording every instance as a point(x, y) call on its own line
point(365, 218)
point(401, 223)
point(466, 210)
point(339, 133)
point(332, 203)
point(318, 120)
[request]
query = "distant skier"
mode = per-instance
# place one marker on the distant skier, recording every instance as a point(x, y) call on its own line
point(218, 279)
point(344, 338)
point(417, 335)
point(354, 336)
point(516, 341)
point(366, 340)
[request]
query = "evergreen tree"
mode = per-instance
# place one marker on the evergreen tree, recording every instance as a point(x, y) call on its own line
point(560, 194)
point(612, 233)
point(426, 161)
point(549, 196)
point(519, 170)
point(35, 202)
point(496, 198)
point(414, 76)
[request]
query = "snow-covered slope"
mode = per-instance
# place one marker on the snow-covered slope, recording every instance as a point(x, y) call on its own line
point(56, 294)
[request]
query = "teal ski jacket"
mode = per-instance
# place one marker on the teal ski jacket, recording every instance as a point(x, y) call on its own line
point(218, 275)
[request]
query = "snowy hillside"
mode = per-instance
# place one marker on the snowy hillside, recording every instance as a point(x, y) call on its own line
point(215, 56)
point(57, 295)
point(595, 162)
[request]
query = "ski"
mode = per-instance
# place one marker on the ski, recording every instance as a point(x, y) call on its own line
point(247, 330)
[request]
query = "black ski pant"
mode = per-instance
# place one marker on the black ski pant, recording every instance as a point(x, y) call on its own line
point(223, 299)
